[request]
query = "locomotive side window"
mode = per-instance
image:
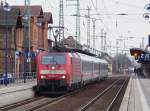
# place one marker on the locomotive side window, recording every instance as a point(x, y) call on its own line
point(53, 59)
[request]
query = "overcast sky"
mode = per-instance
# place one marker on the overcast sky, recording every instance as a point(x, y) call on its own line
point(131, 25)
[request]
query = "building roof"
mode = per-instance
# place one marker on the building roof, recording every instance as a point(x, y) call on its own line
point(48, 17)
point(9, 18)
point(143, 56)
point(17, 11)
point(138, 51)
point(35, 11)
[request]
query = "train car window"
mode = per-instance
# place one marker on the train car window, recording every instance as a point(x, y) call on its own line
point(54, 59)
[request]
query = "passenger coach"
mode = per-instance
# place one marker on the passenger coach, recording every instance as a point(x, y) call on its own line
point(68, 70)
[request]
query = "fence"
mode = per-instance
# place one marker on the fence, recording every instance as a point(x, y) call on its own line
point(12, 78)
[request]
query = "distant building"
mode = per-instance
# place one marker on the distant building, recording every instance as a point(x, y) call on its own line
point(70, 42)
point(38, 37)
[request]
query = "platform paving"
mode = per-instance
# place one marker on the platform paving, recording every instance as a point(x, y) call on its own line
point(145, 83)
point(16, 92)
point(16, 87)
point(137, 96)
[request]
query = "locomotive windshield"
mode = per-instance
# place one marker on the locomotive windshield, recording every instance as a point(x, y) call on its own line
point(53, 59)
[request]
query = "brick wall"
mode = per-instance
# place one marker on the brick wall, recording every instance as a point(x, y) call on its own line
point(38, 35)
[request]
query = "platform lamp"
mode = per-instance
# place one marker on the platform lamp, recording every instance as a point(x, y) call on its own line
point(6, 9)
point(146, 15)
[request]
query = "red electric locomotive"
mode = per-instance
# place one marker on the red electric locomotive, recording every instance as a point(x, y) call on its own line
point(61, 71)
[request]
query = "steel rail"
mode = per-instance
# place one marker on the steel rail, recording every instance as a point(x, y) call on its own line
point(28, 101)
point(20, 103)
point(55, 100)
point(98, 96)
point(50, 101)
point(117, 95)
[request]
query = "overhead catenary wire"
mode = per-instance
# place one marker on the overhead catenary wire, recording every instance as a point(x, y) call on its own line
point(127, 18)
point(127, 4)
point(101, 15)
point(56, 11)
point(98, 14)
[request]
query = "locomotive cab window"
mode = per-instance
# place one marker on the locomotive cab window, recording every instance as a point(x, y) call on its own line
point(56, 59)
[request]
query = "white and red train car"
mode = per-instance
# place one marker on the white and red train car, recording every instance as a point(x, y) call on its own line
point(68, 70)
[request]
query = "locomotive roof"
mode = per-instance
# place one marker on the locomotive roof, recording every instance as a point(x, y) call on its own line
point(79, 55)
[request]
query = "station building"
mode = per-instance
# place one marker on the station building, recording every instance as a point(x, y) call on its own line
point(12, 27)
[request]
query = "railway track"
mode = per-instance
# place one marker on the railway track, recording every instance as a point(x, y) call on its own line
point(48, 104)
point(97, 103)
point(20, 103)
point(118, 98)
point(76, 101)
point(35, 103)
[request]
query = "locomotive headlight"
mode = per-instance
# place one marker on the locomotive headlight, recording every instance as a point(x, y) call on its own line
point(43, 77)
point(53, 67)
point(63, 77)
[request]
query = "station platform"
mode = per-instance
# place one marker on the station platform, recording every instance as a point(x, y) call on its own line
point(137, 95)
point(16, 87)
point(16, 92)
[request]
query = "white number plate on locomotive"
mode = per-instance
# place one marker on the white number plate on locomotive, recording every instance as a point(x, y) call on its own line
point(53, 72)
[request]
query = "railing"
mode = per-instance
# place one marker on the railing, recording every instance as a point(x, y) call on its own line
point(22, 77)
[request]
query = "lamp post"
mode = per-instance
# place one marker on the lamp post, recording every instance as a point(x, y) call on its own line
point(26, 44)
point(27, 37)
point(7, 9)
